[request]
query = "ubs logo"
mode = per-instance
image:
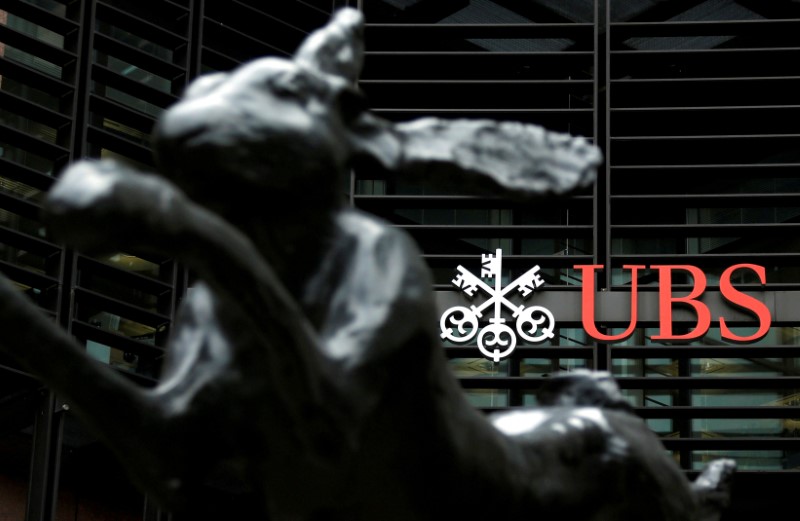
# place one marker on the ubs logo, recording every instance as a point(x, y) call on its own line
point(497, 340)
point(459, 324)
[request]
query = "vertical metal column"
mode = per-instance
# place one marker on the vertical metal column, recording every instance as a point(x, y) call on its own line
point(45, 460)
point(78, 145)
point(195, 40)
point(48, 427)
point(602, 217)
point(602, 235)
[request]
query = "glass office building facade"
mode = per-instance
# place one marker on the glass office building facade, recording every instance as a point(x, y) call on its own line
point(694, 102)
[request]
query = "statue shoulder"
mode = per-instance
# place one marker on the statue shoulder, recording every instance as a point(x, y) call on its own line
point(374, 233)
point(384, 253)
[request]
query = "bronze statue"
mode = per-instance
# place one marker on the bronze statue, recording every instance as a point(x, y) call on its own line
point(306, 366)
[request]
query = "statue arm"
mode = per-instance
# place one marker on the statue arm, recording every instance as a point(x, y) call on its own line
point(146, 213)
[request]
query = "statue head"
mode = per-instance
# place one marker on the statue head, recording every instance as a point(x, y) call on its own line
point(272, 128)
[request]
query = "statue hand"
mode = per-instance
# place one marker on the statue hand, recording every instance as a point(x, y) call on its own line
point(103, 206)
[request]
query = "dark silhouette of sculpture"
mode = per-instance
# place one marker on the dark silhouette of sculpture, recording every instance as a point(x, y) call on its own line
point(305, 368)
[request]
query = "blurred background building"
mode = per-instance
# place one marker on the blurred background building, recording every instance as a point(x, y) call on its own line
point(695, 103)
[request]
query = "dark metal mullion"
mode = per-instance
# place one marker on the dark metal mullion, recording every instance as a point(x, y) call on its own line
point(45, 460)
point(552, 261)
point(482, 53)
point(704, 230)
point(707, 137)
point(687, 445)
point(690, 351)
point(249, 38)
point(490, 30)
point(712, 166)
point(526, 351)
point(51, 430)
point(720, 412)
point(264, 14)
point(602, 67)
point(137, 25)
point(625, 30)
point(751, 200)
point(534, 11)
point(195, 39)
point(218, 60)
point(705, 259)
point(137, 57)
point(645, 382)
point(665, 10)
point(172, 20)
point(602, 211)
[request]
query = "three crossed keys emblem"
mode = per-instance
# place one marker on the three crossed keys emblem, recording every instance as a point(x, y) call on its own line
point(497, 340)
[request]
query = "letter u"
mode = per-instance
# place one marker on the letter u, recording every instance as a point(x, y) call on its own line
point(588, 303)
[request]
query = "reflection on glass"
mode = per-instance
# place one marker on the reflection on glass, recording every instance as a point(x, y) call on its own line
point(543, 367)
point(467, 367)
point(32, 61)
point(662, 427)
point(135, 73)
point(131, 101)
point(36, 31)
point(110, 154)
point(119, 359)
point(25, 260)
point(134, 40)
point(20, 190)
point(488, 397)
point(470, 367)
point(124, 326)
point(30, 93)
point(23, 224)
point(370, 187)
point(25, 158)
point(737, 427)
point(126, 131)
point(29, 126)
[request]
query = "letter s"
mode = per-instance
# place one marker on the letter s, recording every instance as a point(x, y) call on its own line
point(734, 296)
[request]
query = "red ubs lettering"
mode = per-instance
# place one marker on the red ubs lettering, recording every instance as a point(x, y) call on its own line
point(666, 301)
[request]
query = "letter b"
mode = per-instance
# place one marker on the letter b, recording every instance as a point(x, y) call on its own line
point(666, 300)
